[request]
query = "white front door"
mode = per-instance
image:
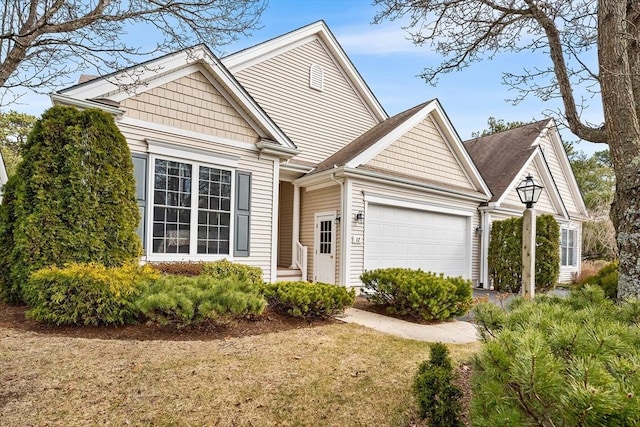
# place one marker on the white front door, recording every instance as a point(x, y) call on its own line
point(325, 249)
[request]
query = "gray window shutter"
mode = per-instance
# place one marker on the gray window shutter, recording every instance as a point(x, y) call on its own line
point(140, 172)
point(243, 214)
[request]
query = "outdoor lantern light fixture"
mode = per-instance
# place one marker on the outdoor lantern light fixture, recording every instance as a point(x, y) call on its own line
point(529, 191)
point(359, 217)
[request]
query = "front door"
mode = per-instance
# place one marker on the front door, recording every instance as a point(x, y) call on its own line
point(325, 253)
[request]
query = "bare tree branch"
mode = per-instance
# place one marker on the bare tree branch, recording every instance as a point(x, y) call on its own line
point(44, 41)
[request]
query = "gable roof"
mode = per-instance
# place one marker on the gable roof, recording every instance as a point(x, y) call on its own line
point(245, 58)
point(364, 148)
point(106, 92)
point(501, 156)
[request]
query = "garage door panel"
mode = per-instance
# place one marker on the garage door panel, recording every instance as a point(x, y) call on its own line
point(409, 238)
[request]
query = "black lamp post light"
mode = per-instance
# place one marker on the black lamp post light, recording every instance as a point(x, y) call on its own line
point(529, 192)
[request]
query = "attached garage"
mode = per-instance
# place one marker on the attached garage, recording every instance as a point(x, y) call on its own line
point(403, 237)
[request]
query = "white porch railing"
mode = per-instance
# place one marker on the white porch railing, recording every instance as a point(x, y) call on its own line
point(301, 259)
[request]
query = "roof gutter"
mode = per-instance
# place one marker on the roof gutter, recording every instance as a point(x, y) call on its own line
point(85, 103)
point(272, 148)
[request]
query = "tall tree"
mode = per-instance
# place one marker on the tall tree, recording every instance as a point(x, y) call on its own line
point(42, 41)
point(569, 32)
point(14, 129)
point(496, 126)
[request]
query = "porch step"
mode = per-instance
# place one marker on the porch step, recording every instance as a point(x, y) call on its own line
point(286, 274)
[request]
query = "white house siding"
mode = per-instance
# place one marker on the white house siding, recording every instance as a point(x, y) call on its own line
point(311, 202)
point(433, 201)
point(544, 204)
point(551, 154)
point(422, 152)
point(285, 223)
point(318, 122)
point(193, 104)
point(211, 139)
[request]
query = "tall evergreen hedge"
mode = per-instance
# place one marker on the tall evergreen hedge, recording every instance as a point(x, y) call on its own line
point(72, 199)
point(505, 253)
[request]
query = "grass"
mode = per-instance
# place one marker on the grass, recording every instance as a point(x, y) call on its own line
point(332, 375)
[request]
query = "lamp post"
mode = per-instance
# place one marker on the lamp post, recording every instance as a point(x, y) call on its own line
point(529, 192)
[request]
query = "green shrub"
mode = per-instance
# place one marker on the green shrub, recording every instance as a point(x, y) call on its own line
point(505, 253)
point(179, 268)
point(418, 293)
point(304, 299)
point(559, 361)
point(89, 294)
point(606, 278)
point(224, 268)
point(438, 397)
point(190, 300)
point(72, 198)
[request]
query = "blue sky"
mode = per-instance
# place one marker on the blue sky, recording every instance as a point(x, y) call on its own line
point(389, 63)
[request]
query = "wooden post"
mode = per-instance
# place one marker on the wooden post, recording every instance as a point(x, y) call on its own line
point(528, 253)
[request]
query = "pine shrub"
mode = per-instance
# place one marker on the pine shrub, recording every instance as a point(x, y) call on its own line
point(225, 268)
point(559, 361)
point(86, 294)
point(438, 397)
point(606, 278)
point(190, 300)
point(418, 293)
point(72, 198)
point(505, 253)
point(308, 300)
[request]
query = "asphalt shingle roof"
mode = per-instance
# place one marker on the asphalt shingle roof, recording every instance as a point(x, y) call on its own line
point(500, 156)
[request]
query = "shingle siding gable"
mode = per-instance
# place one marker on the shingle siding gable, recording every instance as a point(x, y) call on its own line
point(423, 153)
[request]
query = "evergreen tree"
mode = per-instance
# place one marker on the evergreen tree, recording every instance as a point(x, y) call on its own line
point(72, 198)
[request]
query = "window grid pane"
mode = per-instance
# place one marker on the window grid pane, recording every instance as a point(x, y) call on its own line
point(325, 237)
point(214, 210)
point(171, 211)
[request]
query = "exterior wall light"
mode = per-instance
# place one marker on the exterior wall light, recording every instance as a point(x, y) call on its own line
point(359, 217)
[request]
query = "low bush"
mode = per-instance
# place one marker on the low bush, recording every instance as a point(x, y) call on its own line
point(303, 299)
point(418, 293)
point(587, 269)
point(89, 294)
point(179, 268)
point(189, 300)
point(558, 361)
point(438, 397)
point(606, 278)
point(224, 268)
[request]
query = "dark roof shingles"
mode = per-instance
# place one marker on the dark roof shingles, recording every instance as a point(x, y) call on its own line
point(500, 156)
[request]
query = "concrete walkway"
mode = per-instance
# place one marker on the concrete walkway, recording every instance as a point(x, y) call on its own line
point(455, 331)
point(458, 331)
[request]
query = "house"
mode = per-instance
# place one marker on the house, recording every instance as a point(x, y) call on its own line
point(3, 175)
point(504, 160)
point(297, 167)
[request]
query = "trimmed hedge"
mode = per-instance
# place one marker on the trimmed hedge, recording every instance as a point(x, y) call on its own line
point(308, 300)
point(606, 278)
point(418, 293)
point(225, 268)
point(505, 253)
point(72, 198)
point(558, 361)
point(190, 300)
point(89, 294)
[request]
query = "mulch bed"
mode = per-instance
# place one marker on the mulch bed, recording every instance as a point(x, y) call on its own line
point(14, 317)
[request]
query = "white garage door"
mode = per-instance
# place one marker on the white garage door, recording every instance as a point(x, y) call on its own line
point(400, 237)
